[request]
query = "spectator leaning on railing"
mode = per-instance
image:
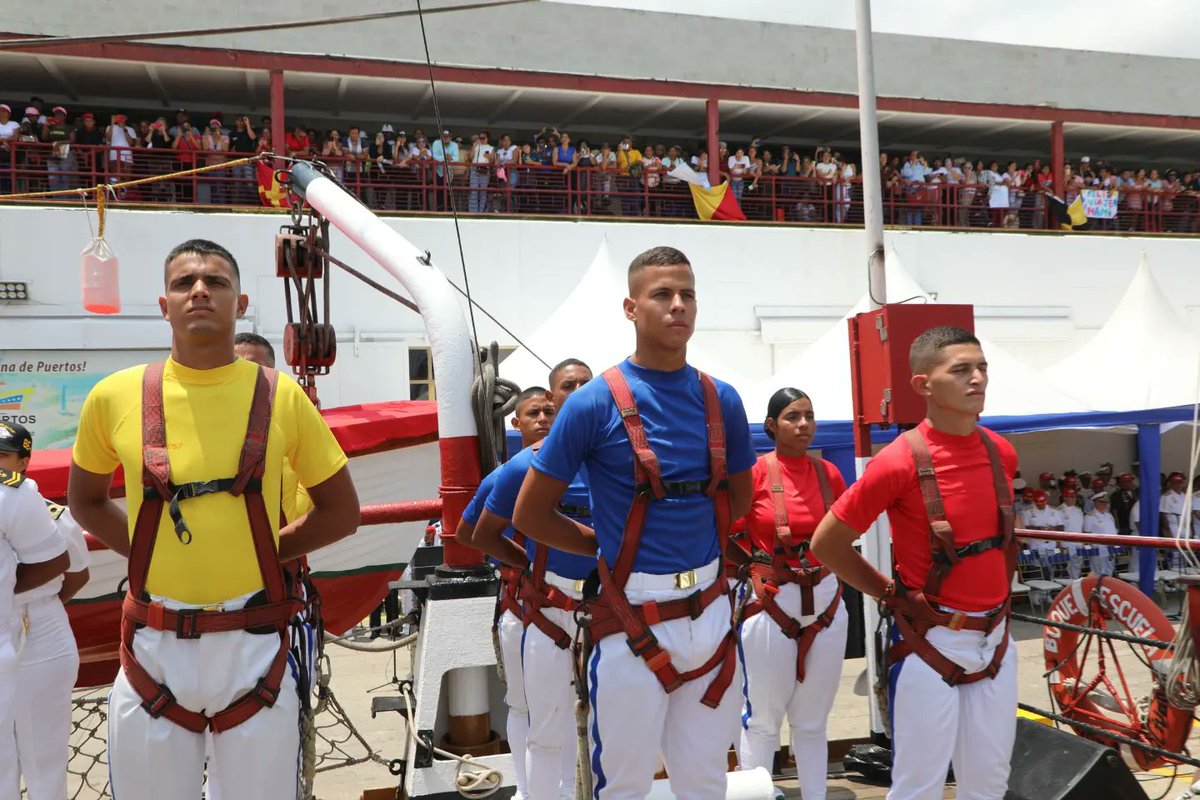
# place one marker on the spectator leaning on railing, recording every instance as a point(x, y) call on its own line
point(211, 186)
point(482, 157)
point(121, 139)
point(444, 151)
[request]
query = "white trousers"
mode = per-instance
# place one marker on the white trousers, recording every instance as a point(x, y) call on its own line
point(773, 694)
point(972, 725)
point(550, 694)
point(633, 719)
point(511, 631)
point(154, 759)
point(37, 746)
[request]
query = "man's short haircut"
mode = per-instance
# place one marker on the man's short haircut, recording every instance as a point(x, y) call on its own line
point(926, 348)
point(203, 247)
point(253, 338)
point(566, 362)
point(531, 392)
point(661, 256)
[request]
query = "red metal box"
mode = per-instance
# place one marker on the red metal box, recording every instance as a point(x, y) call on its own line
point(879, 342)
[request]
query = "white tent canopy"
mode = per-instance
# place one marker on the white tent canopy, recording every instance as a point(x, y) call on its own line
point(823, 369)
point(590, 326)
point(1144, 356)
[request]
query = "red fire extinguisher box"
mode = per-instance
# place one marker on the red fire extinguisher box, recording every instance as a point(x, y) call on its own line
point(879, 343)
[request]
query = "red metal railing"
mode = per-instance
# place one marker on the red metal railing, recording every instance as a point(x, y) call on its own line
point(430, 186)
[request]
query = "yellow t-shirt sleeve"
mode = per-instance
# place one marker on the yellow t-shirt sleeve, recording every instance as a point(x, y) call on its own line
point(93, 449)
point(314, 452)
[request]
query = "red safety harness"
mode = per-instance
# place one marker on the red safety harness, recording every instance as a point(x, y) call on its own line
point(511, 579)
point(914, 614)
point(768, 578)
point(612, 612)
point(159, 491)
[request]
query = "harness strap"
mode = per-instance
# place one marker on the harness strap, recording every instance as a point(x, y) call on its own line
point(158, 491)
point(914, 615)
point(941, 536)
point(612, 611)
point(535, 594)
point(192, 623)
point(802, 635)
point(158, 701)
point(786, 545)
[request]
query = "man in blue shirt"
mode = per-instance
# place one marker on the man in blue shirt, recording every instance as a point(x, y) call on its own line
point(535, 411)
point(662, 685)
point(445, 151)
point(551, 594)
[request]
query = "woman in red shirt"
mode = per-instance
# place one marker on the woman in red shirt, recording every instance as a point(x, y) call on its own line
point(794, 645)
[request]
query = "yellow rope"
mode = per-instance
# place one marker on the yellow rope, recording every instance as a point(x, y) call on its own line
point(102, 189)
point(101, 201)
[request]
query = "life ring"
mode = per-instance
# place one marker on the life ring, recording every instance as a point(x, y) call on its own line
point(1103, 700)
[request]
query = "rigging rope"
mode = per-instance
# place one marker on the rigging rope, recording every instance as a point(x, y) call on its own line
point(447, 175)
point(1183, 674)
point(53, 41)
point(493, 398)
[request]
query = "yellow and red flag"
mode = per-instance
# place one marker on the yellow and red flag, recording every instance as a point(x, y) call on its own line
point(270, 191)
point(711, 202)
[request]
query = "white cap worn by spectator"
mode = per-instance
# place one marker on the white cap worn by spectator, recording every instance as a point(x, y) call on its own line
point(32, 111)
point(387, 128)
point(5, 107)
point(1085, 160)
point(57, 109)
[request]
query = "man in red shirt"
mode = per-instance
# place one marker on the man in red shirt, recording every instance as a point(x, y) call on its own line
point(952, 680)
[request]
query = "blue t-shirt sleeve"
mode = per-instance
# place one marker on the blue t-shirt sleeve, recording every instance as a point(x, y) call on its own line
point(475, 507)
point(739, 448)
point(503, 499)
point(563, 452)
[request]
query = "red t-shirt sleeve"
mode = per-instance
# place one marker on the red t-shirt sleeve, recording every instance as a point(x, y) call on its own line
point(887, 477)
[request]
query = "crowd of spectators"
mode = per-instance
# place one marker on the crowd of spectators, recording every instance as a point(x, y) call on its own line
point(551, 171)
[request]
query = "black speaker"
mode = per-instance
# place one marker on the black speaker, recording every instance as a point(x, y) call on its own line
point(1052, 764)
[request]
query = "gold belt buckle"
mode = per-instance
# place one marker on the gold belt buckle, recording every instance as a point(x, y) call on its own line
point(578, 586)
point(685, 580)
point(213, 607)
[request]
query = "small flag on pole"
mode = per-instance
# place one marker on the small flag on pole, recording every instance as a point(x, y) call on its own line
point(711, 202)
point(270, 191)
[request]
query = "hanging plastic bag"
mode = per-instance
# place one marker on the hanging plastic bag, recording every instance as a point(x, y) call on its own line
point(101, 288)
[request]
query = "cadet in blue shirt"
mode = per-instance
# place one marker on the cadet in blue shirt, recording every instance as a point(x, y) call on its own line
point(534, 413)
point(665, 689)
point(552, 591)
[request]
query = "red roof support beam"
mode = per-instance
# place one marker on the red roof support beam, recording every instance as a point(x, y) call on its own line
point(1058, 157)
point(373, 68)
point(278, 126)
point(712, 108)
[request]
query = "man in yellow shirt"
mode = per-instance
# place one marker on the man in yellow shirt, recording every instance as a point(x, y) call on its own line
point(205, 628)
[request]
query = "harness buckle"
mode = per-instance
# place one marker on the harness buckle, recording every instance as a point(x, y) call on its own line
point(642, 642)
point(686, 580)
point(161, 702)
point(957, 621)
point(695, 604)
point(185, 624)
point(265, 694)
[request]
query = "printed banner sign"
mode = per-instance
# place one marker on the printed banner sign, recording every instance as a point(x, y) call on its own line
point(45, 389)
point(1100, 204)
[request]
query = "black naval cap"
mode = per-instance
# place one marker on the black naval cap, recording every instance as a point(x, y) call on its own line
point(15, 438)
